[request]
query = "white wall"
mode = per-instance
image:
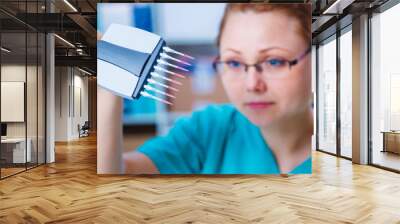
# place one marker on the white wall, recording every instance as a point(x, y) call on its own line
point(12, 73)
point(61, 103)
point(70, 83)
point(33, 126)
point(79, 117)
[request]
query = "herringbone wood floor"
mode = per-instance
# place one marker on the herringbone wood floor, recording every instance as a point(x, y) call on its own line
point(69, 191)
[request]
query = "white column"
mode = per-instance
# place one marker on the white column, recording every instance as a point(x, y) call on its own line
point(50, 93)
point(50, 110)
point(360, 90)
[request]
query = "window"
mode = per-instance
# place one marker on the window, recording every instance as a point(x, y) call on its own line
point(327, 96)
point(385, 89)
point(346, 93)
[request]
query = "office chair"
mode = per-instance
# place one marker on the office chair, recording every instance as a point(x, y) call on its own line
point(84, 130)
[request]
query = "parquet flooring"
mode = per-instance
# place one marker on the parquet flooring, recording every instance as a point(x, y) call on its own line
point(70, 191)
point(10, 171)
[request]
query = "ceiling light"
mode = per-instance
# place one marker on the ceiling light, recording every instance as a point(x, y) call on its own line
point(70, 5)
point(333, 6)
point(5, 49)
point(338, 6)
point(86, 72)
point(64, 40)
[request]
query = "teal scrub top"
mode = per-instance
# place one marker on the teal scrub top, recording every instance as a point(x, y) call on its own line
point(215, 140)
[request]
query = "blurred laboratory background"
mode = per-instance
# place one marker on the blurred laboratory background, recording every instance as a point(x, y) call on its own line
point(185, 28)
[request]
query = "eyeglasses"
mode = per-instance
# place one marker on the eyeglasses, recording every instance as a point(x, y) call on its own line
point(272, 67)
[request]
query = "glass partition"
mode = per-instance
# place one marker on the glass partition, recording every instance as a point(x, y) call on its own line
point(13, 103)
point(346, 93)
point(22, 67)
point(41, 107)
point(31, 100)
point(327, 95)
point(385, 89)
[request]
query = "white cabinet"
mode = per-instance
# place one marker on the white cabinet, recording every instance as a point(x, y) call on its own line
point(18, 149)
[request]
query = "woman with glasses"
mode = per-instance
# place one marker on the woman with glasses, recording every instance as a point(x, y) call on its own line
point(265, 67)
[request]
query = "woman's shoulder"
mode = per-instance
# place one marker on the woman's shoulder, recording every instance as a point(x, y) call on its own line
point(210, 119)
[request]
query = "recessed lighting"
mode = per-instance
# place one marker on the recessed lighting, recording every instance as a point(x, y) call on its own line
point(70, 5)
point(86, 72)
point(338, 6)
point(64, 40)
point(5, 50)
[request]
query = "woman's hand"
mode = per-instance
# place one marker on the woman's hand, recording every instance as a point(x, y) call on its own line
point(110, 156)
point(109, 133)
